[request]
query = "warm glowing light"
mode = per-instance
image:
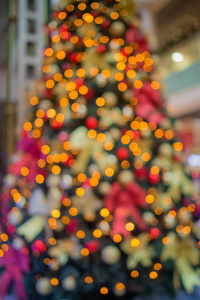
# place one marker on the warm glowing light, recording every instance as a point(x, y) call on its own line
point(130, 226)
point(34, 101)
point(27, 126)
point(39, 179)
point(178, 146)
point(55, 213)
point(97, 233)
point(68, 73)
point(24, 171)
point(131, 73)
point(138, 84)
point(56, 38)
point(85, 252)
point(50, 84)
point(135, 243)
point(61, 55)
point(70, 8)
point(88, 280)
point(104, 291)
point(52, 241)
point(149, 199)
point(122, 87)
point(94, 5)
point(134, 274)
point(56, 170)
point(155, 85)
point(157, 267)
point(80, 192)
point(4, 237)
point(117, 238)
point(80, 234)
point(66, 202)
point(73, 211)
point(54, 281)
point(64, 102)
point(159, 133)
point(62, 15)
point(92, 134)
point(109, 172)
point(166, 240)
point(100, 101)
point(67, 145)
point(104, 212)
point(48, 52)
point(88, 17)
point(153, 275)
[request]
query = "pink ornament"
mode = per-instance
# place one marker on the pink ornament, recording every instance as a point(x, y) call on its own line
point(63, 136)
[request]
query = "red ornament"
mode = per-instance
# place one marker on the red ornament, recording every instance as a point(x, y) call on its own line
point(105, 24)
point(154, 179)
point(101, 49)
point(122, 153)
point(72, 227)
point(39, 246)
point(56, 125)
point(92, 246)
point(91, 123)
point(155, 232)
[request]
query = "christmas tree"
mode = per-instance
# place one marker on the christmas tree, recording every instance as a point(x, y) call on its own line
point(97, 203)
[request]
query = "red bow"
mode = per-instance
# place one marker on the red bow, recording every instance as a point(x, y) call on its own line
point(123, 203)
point(31, 149)
point(14, 263)
point(149, 103)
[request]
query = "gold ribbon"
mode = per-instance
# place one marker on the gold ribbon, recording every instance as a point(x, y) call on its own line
point(185, 255)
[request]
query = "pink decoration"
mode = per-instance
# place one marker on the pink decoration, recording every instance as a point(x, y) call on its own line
point(14, 263)
point(31, 149)
point(123, 203)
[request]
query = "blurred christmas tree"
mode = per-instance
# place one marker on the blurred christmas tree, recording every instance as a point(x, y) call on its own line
point(96, 199)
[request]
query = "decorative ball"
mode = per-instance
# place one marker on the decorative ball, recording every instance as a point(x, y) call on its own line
point(15, 217)
point(53, 180)
point(110, 254)
point(117, 28)
point(43, 286)
point(101, 49)
point(115, 133)
point(148, 217)
point(9, 180)
point(166, 150)
point(63, 136)
point(18, 243)
point(122, 153)
point(45, 104)
point(125, 177)
point(127, 95)
point(66, 181)
point(91, 123)
point(69, 283)
point(104, 188)
point(119, 292)
point(110, 99)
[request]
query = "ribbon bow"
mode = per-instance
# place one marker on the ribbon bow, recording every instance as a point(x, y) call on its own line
point(185, 255)
point(125, 202)
point(88, 148)
point(31, 149)
point(149, 103)
point(14, 263)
